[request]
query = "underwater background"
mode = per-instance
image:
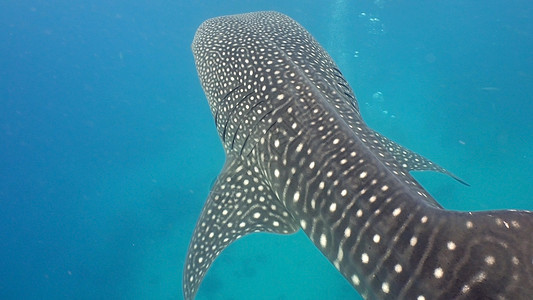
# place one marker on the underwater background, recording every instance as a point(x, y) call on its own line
point(108, 148)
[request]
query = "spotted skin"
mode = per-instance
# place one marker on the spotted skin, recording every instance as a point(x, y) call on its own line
point(298, 155)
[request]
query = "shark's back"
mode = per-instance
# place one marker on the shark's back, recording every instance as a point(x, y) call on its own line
point(300, 156)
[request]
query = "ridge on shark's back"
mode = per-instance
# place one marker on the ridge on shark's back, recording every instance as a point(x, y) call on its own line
point(298, 155)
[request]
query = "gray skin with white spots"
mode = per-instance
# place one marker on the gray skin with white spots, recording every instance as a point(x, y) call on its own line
point(300, 156)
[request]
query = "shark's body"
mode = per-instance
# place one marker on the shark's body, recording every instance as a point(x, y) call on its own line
point(300, 156)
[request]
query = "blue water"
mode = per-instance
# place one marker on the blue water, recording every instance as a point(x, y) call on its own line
point(108, 148)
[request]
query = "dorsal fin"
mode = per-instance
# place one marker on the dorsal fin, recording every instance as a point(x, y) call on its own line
point(348, 109)
point(412, 161)
point(239, 203)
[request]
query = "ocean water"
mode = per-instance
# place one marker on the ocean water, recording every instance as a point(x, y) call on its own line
point(108, 148)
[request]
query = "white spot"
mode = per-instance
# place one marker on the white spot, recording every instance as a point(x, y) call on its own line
point(275, 223)
point(376, 238)
point(303, 224)
point(276, 172)
point(372, 199)
point(438, 273)
point(311, 165)
point(363, 174)
point(296, 196)
point(469, 225)
point(398, 268)
point(490, 260)
point(451, 245)
point(200, 259)
point(344, 192)
point(480, 277)
point(257, 215)
point(276, 143)
point(423, 220)
point(347, 232)
point(385, 287)
point(340, 255)
point(299, 147)
point(359, 213)
point(396, 212)
point(420, 298)
point(336, 264)
point(355, 280)
point(413, 241)
point(384, 188)
point(333, 207)
point(280, 97)
point(364, 258)
point(242, 224)
point(323, 240)
point(506, 224)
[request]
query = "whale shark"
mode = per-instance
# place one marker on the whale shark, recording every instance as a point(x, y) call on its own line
point(300, 157)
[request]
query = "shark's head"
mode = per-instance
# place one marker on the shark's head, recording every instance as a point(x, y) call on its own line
point(240, 61)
